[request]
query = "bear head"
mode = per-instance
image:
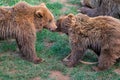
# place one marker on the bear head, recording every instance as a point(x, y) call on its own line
point(44, 15)
point(65, 22)
point(70, 22)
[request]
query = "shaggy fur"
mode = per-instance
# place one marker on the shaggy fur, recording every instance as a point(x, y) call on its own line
point(21, 22)
point(100, 34)
point(101, 7)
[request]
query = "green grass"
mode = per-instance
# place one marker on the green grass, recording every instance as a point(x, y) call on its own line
point(74, 2)
point(12, 2)
point(12, 67)
point(55, 8)
point(70, 10)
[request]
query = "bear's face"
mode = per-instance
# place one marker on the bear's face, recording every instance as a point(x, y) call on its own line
point(44, 18)
point(65, 22)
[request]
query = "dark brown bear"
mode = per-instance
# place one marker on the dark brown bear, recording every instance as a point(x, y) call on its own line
point(21, 22)
point(100, 34)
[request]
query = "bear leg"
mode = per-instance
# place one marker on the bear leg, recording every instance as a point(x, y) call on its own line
point(90, 12)
point(73, 58)
point(105, 62)
point(26, 46)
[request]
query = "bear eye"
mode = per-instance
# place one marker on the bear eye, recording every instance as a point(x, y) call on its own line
point(39, 16)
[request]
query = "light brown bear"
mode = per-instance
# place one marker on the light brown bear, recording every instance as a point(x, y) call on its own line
point(100, 34)
point(21, 22)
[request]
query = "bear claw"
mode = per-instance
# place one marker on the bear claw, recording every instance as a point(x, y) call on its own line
point(38, 60)
point(95, 68)
point(68, 63)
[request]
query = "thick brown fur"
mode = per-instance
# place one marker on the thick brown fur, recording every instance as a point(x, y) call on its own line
point(100, 34)
point(90, 3)
point(21, 22)
point(101, 7)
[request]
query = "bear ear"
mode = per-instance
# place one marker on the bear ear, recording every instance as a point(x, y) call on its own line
point(71, 15)
point(43, 4)
point(39, 13)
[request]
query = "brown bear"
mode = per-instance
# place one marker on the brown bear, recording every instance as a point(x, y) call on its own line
point(100, 34)
point(21, 22)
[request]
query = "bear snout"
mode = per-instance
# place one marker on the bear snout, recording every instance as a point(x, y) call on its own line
point(52, 26)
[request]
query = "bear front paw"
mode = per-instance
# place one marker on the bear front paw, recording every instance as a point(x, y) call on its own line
point(68, 63)
point(38, 60)
point(95, 68)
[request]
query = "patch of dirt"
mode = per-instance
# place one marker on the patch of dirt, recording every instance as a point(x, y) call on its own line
point(36, 78)
point(117, 71)
point(13, 71)
point(48, 44)
point(57, 75)
point(62, 1)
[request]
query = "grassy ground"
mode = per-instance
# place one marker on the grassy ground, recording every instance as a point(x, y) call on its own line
point(53, 47)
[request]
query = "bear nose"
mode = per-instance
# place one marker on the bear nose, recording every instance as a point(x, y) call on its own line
point(54, 28)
